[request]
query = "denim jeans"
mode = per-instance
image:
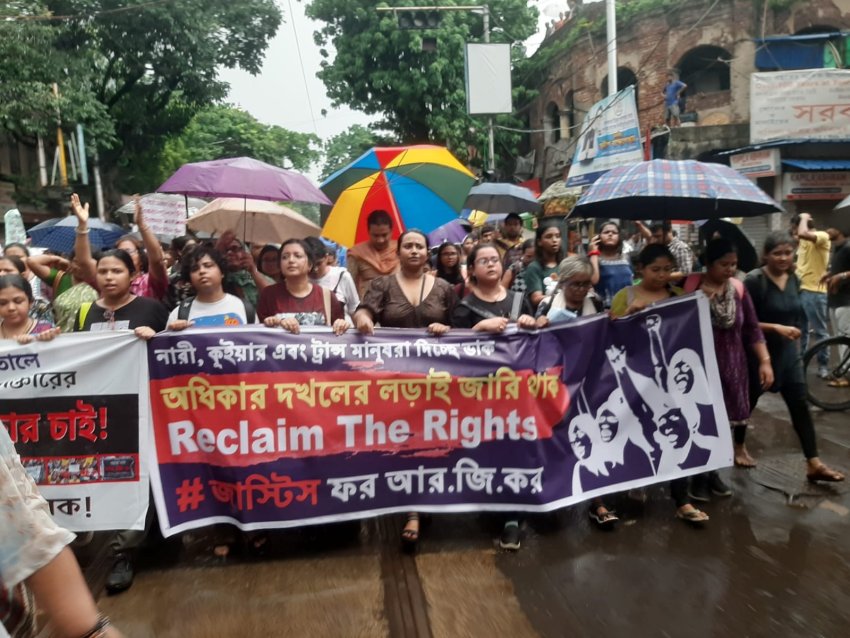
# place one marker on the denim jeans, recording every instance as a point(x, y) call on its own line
point(815, 318)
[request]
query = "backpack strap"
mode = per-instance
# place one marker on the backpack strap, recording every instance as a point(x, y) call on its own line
point(326, 297)
point(338, 281)
point(84, 312)
point(184, 308)
point(481, 312)
point(250, 312)
point(516, 307)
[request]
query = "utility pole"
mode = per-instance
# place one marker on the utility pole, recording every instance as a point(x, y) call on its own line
point(484, 10)
point(611, 35)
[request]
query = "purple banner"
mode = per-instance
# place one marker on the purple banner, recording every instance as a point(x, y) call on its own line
point(261, 428)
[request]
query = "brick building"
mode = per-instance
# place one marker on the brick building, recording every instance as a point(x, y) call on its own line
point(711, 44)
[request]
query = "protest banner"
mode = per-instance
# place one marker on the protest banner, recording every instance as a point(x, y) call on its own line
point(264, 429)
point(609, 137)
point(73, 408)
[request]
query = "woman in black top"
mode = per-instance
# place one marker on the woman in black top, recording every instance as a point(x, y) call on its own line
point(448, 267)
point(774, 289)
point(117, 308)
point(490, 307)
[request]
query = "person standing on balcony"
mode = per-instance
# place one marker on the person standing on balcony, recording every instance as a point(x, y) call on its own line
point(673, 91)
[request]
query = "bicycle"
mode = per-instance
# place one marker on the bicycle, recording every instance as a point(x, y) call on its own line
point(819, 391)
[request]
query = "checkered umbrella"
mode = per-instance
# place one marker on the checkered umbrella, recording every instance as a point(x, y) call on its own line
point(669, 189)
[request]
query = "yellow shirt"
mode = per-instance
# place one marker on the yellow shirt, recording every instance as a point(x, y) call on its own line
point(813, 261)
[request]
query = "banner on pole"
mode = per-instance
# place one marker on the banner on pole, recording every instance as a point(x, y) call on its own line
point(264, 429)
point(610, 137)
point(73, 408)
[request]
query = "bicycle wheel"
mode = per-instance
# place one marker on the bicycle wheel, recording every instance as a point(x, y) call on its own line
point(832, 393)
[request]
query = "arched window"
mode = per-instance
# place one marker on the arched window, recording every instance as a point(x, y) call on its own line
point(552, 123)
point(705, 69)
point(625, 77)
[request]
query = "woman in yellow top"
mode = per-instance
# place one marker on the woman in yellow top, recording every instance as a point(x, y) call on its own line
point(656, 264)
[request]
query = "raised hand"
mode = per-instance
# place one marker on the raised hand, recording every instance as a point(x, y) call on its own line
point(81, 212)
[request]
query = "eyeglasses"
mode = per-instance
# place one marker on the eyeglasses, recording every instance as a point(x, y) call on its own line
point(579, 285)
point(486, 261)
point(234, 249)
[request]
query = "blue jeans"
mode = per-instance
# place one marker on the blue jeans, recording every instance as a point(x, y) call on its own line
point(815, 318)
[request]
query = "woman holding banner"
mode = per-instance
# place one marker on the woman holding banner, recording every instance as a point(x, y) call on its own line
point(490, 307)
point(409, 298)
point(119, 309)
point(296, 302)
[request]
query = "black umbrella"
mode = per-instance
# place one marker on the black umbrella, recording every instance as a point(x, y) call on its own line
point(748, 258)
point(496, 198)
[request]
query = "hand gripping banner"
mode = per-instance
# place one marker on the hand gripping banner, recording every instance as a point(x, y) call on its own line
point(263, 429)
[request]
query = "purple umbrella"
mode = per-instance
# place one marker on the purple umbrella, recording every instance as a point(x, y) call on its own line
point(243, 177)
point(454, 232)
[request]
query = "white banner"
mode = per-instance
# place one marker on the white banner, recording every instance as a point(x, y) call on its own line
point(77, 410)
point(810, 104)
point(610, 137)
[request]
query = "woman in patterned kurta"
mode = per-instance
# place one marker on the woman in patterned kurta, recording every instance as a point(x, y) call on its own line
point(735, 326)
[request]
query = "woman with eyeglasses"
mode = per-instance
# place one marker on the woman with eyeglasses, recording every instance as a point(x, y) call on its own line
point(575, 298)
point(490, 307)
point(409, 298)
point(150, 277)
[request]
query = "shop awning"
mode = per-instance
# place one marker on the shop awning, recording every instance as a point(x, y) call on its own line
point(818, 164)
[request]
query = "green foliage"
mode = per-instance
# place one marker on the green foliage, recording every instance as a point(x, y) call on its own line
point(225, 131)
point(155, 66)
point(347, 146)
point(381, 69)
point(31, 64)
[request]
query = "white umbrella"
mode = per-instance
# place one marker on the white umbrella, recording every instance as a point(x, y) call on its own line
point(253, 220)
point(844, 205)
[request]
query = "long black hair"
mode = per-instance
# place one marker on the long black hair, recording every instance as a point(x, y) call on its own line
point(545, 225)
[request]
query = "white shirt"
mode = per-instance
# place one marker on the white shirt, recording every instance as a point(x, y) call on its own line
point(229, 311)
point(341, 283)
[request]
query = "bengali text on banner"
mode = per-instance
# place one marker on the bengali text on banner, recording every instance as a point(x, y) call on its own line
point(263, 429)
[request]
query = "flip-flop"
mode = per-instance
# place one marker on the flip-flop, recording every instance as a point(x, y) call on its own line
point(605, 520)
point(824, 473)
point(694, 516)
point(839, 383)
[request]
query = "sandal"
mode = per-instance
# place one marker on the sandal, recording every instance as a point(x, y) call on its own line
point(692, 516)
point(838, 383)
point(824, 473)
point(604, 519)
point(410, 533)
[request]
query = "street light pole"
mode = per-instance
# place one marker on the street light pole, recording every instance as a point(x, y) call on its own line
point(484, 10)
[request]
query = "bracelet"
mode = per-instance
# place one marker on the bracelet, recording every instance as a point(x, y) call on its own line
point(99, 629)
point(594, 253)
point(83, 232)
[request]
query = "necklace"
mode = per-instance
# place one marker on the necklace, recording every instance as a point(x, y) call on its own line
point(30, 324)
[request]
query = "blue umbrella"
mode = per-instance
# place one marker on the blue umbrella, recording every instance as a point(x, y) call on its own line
point(58, 235)
point(497, 198)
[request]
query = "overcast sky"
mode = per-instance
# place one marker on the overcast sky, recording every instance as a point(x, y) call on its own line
point(284, 95)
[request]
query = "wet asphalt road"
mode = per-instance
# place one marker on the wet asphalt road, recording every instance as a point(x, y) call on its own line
point(773, 561)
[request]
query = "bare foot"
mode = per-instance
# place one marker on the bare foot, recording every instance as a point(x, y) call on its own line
point(221, 551)
point(410, 532)
point(743, 458)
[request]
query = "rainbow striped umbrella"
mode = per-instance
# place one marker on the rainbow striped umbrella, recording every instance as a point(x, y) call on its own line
point(420, 187)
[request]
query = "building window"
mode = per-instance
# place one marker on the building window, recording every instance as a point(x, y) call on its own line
point(705, 70)
point(625, 77)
